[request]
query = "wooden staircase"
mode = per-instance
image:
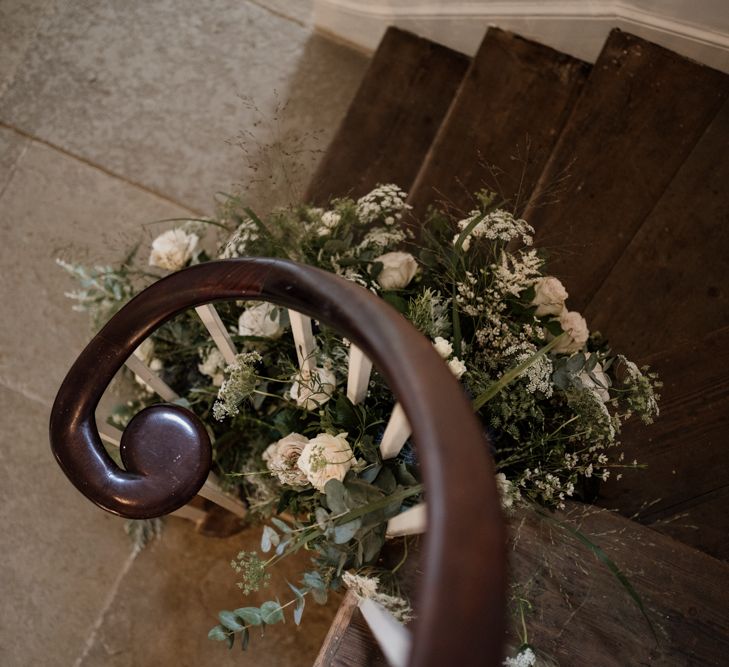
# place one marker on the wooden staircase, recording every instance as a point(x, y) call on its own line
point(622, 168)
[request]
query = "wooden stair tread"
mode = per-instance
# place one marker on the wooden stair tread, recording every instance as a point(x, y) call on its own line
point(639, 116)
point(685, 593)
point(583, 616)
point(673, 277)
point(685, 450)
point(393, 118)
point(502, 125)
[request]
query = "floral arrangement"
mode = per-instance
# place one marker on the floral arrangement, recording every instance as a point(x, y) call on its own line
point(551, 395)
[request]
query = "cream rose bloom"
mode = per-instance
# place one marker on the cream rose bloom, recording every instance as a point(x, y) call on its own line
point(326, 457)
point(549, 296)
point(443, 347)
point(311, 392)
point(398, 269)
point(262, 319)
point(574, 325)
point(173, 249)
point(213, 366)
point(282, 458)
point(602, 378)
point(458, 368)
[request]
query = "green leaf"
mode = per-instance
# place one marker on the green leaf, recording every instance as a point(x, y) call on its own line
point(271, 612)
point(299, 609)
point(314, 581)
point(345, 532)
point(270, 537)
point(249, 615)
point(372, 544)
point(386, 481)
point(280, 524)
point(397, 302)
point(336, 496)
point(229, 621)
point(218, 634)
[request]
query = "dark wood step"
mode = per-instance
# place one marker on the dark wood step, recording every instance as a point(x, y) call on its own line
point(671, 285)
point(640, 114)
point(502, 125)
point(687, 480)
point(393, 118)
point(577, 611)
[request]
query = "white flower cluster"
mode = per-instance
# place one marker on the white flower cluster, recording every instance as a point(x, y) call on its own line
point(539, 374)
point(297, 461)
point(238, 243)
point(368, 588)
point(498, 225)
point(525, 658)
point(385, 202)
point(445, 350)
point(516, 271)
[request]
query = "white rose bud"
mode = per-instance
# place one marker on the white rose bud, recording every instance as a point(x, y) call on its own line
point(282, 458)
point(262, 319)
point(326, 457)
point(311, 392)
point(398, 269)
point(173, 249)
point(458, 368)
point(549, 296)
point(603, 381)
point(574, 325)
point(443, 347)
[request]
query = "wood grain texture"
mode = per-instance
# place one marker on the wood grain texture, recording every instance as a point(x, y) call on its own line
point(639, 116)
point(392, 120)
point(166, 451)
point(502, 125)
point(581, 615)
point(671, 285)
point(686, 449)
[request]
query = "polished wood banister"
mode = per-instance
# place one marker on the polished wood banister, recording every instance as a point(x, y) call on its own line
point(166, 450)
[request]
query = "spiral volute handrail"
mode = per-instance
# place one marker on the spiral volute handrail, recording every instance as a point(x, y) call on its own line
point(166, 450)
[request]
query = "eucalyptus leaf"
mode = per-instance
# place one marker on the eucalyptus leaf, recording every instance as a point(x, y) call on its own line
point(314, 581)
point(249, 615)
point(337, 496)
point(370, 473)
point(229, 620)
point(271, 612)
point(280, 524)
point(269, 538)
point(299, 609)
point(218, 634)
point(345, 532)
point(245, 639)
point(322, 518)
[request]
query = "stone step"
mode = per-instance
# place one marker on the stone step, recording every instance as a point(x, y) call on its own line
point(502, 125)
point(639, 117)
point(392, 120)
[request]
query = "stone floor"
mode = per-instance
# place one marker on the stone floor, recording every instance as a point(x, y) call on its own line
point(114, 114)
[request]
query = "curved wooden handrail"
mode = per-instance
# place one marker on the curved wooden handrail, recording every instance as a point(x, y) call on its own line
point(166, 451)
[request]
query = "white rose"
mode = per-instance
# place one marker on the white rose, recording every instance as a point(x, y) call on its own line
point(603, 381)
point(311, 392)
point(458, 368)
point(262, 319)
point(398, 269)
point(213, 366)
point(173, 249)
point(326, 457)
point(443, 347)
point(282, 458)
point(574, 325)
point(549, 296)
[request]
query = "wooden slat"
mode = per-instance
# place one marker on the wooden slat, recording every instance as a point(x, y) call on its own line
point(303, 340)
point(412, 521)
point(671, 284)
point(217, 330)
point(358, 378)
point(640, 114)
point(158, 385)
point(190, 513)
point(685, 450)
point(391, 635)
point(393, 118)
point(396, 433)
point(502, 125)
